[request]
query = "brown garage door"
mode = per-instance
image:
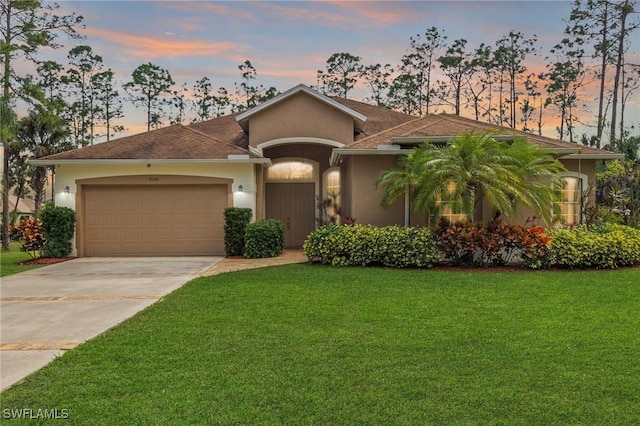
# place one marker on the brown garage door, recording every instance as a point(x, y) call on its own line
point(170, 220)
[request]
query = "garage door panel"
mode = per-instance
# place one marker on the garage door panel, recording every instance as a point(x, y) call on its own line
point(112, 235)
point(157, 220)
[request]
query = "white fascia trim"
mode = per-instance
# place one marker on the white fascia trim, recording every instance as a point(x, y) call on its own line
point(150, 160)
point(608, 156)
point(337, 153)
point(306, 140)
point(241, 118)
point(566, 151)
point(255, 151)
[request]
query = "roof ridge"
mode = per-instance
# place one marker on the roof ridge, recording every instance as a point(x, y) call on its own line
point(220, 141)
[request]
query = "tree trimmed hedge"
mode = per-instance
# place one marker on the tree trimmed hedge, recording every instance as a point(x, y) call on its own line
point(469, 244)
point(404, 247)
point(58, 226)
point(236, 220)
point(364, 245)
point(606, 246)
point(264, 239)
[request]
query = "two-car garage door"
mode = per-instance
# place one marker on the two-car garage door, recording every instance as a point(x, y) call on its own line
point(156, 220)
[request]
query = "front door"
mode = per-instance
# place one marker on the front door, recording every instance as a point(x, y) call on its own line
point(293, 204)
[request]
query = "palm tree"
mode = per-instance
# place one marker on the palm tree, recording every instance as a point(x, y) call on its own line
point(402, 181)
point(459, 175)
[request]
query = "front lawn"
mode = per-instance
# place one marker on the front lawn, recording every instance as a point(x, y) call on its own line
point(10, 261)
point(306, 344)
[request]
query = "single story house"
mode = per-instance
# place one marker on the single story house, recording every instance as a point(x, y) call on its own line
point(163, 192)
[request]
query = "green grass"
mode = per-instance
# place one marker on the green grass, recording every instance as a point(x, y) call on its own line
point(10, 261)
point(304, 344)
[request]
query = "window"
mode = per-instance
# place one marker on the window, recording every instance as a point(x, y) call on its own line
point(332, 192)
point(571, 204)
point(291, 170)
point(449, 207)
point(332, 181)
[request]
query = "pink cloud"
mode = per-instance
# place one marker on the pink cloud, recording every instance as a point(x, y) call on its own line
point(215, 8)
point(310, 12)
point(382, 13)
point(157, 47)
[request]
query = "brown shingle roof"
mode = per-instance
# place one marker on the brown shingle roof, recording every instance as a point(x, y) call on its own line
point(378, 118)
point(225, 128)
point(451, 125)
point(175, 142)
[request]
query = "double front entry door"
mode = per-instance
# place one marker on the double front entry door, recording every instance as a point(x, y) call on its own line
point(293, 204)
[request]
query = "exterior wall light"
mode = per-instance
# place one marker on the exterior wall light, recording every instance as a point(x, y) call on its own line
point(66, 190)
point(240, 188)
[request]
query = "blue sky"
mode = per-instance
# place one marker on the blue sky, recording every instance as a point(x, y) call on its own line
point(288, 42)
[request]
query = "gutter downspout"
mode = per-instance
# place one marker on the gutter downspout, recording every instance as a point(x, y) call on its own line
point(407, 205)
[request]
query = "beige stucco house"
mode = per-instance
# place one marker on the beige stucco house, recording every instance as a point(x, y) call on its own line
point(164, 192)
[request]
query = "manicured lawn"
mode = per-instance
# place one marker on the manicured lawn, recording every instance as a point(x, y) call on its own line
point(304, 344)
point(10, 261)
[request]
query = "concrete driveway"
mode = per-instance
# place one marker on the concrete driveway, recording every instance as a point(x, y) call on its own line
point(45, 311)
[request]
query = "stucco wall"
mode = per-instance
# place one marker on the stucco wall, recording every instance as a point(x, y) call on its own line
point(362, 200)
point(300, 116)
point(365, 198)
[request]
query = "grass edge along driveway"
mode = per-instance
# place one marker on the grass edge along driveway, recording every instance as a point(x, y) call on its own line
point(10, 261)
point(305, 344)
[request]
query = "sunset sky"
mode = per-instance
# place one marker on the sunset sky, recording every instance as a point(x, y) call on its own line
point(288, 42)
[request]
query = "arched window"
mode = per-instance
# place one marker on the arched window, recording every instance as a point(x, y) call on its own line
point(292, 170)
point(571, 204)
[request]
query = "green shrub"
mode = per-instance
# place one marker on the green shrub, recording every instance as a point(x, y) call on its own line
point(403, 247)
point(264, 239)
point(320, 245)
point(343, 245)
point(363, 245)
point(605, 246)
point(28, 232)
point(58, 226)
point(236, 220)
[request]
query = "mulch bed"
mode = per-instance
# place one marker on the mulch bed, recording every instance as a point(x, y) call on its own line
point(46, 260)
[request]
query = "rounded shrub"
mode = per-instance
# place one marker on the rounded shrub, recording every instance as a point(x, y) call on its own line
point(321, 245)
point(264, 239)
